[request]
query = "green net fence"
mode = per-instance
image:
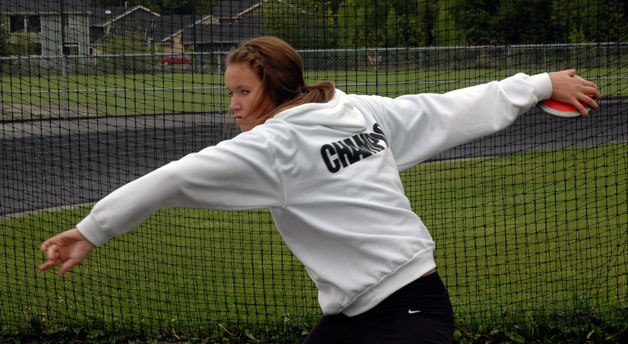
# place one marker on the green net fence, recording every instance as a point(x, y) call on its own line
point(529, 223)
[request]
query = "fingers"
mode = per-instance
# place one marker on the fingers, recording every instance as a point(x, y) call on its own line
point(67, 249)
point(587, 98)
point(58, 240)
point(57, 251)
point(589, 89)
point(582, 109)
point(65, 266)
point(69, 264)
point(46, 244)
point(52, 251)
point(571, 89)
point(55, 259)
point(47, 265)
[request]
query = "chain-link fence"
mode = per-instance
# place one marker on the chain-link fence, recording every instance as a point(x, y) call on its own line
point(530, 224)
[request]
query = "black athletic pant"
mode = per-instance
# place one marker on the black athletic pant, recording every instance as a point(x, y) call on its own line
point(417, 313)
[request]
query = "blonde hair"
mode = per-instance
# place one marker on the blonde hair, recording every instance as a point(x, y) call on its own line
point(280, 69)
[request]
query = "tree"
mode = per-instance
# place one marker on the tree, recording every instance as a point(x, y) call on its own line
point(475, 18)
point(374, 23)
point(524, 22)
point(5, 44)
point(604, 21)
point(447, 31)
point(299, 23)
point(163, 6)
point(22, 44)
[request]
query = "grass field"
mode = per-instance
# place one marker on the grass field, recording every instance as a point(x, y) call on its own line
point(523, 237)
point(176, 92)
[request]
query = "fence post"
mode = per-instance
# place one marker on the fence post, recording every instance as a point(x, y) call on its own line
point(220, 81)
point(64, 70)
point(509, 59)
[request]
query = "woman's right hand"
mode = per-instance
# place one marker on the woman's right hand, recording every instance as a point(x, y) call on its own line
point(67, 249)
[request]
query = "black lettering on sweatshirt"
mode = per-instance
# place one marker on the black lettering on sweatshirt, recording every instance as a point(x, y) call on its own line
point(340, 154)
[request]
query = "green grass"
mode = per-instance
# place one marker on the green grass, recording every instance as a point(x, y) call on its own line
point(520, 239)
point(548, 229)
point(114, 94)
point(176, 92)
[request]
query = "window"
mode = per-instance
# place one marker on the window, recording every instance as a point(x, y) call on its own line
point(25, 23)
point(33, 24)
point(16, 23)
point(71, 21)
point(70, 49)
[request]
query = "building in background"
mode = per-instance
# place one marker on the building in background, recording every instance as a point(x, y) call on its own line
point(46, 28)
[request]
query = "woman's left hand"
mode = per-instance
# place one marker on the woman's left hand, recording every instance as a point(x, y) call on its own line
point(571, 89)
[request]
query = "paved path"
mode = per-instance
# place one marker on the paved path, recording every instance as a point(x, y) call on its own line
point(54, 163)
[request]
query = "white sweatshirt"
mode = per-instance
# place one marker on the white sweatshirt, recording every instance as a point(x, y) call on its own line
point(329, 173)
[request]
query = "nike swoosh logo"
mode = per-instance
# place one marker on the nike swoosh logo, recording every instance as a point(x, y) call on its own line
point(413, 312)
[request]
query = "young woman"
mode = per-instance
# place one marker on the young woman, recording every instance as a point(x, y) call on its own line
point(327, 166)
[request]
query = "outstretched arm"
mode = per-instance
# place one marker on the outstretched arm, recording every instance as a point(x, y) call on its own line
point(570, 89)
point(67, 249)
point(234, 175)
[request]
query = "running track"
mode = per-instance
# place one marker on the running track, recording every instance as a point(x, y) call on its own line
point(63, 162)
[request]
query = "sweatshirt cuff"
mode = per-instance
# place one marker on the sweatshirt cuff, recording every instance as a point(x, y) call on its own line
point(90, 229)
point(542, 86)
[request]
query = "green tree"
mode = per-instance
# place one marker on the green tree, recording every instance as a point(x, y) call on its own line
point(374, 23)
point(524, 22)
point(301, 23)
point(476, 18)
point(164, 6)
point(604, 20)
point(408, 23)
point(616, 28)
point(447, 32)
point(5, 44)
point(587, 21)
point(22, 44)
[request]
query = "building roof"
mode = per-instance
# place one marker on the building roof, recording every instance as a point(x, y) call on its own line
point(42, 7)
point(231, 9)
point(168, 25)
point(102, 16)
point(232, 22)
point(226, 33)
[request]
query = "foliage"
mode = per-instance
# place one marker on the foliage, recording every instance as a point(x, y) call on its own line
point(580, 326)
point(332, 24)
point(22, 44)
point(368, 23)
point(163, 6)
point(411, 23)
point(5, 46)
point(130, 43)
point(280, 19)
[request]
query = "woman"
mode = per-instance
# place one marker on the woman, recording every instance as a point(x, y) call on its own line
point(327, 166)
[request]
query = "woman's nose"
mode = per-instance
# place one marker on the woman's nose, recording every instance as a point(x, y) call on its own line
point(233, 105)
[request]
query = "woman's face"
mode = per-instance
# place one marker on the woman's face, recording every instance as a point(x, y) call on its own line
point(245, 89)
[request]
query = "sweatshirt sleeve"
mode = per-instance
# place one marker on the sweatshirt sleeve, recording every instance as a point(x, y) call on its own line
point(423, 125)
point(234, 175)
